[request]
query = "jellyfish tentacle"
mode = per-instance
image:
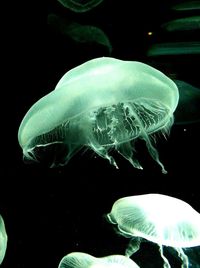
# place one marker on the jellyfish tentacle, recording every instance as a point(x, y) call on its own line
point(71, 150)
point(153, 152)
point(133, 246)
point(103, 152)
point(126, 150)
point(165, 260)
point(184, 258)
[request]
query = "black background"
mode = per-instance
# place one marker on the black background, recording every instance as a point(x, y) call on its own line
point(51, 212)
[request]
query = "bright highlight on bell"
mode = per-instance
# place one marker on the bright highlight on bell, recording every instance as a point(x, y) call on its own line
point(103, 104)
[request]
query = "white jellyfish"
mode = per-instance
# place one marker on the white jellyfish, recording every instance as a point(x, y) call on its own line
point(3, 239)
point(162, 219)
point(84, 260)
point(103, 104)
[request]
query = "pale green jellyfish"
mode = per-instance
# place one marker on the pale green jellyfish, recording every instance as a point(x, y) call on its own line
point(79, 5)
point(162, 219)
point(187, 6)
point(3, 239)
point(183, 24)
point(80, 33)
point(103, 104)
point(174, 48)
point(187, 111)
point(84, 260)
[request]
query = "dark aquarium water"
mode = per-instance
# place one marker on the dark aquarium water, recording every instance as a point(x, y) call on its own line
point(50, 211)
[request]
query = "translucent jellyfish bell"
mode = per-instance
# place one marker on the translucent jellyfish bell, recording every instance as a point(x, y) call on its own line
point(80, 33)
point(84, 260)
point(187, 6)
point(80, 6)
point(103, 104)
point(174, 48)
point(183, 24)
point(3, 239)
point(187, 111)
point(164, 220)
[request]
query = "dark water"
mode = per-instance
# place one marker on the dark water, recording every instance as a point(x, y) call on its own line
point(51, 212)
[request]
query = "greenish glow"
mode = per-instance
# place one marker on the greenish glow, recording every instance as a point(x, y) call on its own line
point(80, 33)
point(3, 239)
point(189, 101)
point(189, 5)
point(161, 219)
point(175, 48)
point(84, 260)
point(102, 104)
point(80, 5)
point(188, 23)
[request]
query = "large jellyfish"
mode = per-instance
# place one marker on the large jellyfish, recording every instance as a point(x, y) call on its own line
point(3, 239)
point(84, 260)
point(102, 104)
point(162, 219)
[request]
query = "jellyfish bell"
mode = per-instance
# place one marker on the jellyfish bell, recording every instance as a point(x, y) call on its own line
point(102, 104)
point(80, 6)
point(84, 260)
point(183, 24)
point(162, 219)
point(187, 111)
point(159, 212)
point(80, 33)
point(3, 240)
point(174, 48)
point(187, 6)
point(112, 265)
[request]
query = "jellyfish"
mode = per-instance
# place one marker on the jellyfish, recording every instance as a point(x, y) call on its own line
point(186, 6)
point(183, 24)
point(187, 111)
point(80, 6)
point(164, 220)
point(84, 260)
point(80, 33)
point(174, 48)
point(103, 104)
point(3, 239)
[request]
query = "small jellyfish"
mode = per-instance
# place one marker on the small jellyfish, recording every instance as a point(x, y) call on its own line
point(162, 219)
point(174, 48)
point(187, 111)
point(80, 33)
point(187, 6)
point(80, 6)
point(103, 104)
point(183, 24)
point(3, 239)
point(84, 260)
